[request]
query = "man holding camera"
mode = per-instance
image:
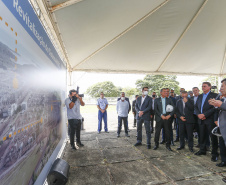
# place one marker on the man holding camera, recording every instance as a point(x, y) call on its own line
point(73, 103)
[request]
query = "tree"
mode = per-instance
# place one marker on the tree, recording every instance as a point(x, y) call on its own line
point(107, 87)
point(129, 91)
point(157, 82)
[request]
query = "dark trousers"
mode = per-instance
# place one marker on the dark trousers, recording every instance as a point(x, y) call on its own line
point(177, 128)
point(134, 120)
point(205, 132)
point(159, 125)
point(75, 128)
point(183, 128)
point(125, 122)
point(171, 131)
point(152, 123)
point(222, 149)
point(139, 130)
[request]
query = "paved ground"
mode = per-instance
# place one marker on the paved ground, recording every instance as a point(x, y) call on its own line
point(106, 159)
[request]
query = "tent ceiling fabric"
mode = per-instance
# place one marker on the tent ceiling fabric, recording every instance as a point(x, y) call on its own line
point(145, 36)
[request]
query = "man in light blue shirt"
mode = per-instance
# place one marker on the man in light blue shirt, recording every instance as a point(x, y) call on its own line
point(122, 110)
point(102, 105)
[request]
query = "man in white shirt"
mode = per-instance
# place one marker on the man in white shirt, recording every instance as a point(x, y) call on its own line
point(122, 110)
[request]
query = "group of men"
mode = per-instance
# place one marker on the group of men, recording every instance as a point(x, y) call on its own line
point(198, 112)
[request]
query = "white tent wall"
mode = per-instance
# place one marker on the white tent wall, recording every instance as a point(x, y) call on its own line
point(145, 36)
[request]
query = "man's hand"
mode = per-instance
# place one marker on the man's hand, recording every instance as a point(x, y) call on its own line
point(167, 117)
point(204, 118)
point(201, 116)
point(185, 100)
point(215, 103)
point(133, 112)
point(151, 116)
point(175, 116)
point(182, 118)
point(163, 117)
point(141, 113)
point(102, 110)
point(216, 122)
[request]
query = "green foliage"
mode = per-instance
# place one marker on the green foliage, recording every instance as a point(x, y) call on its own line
point(157, 82)
point(107, 87)
point(129, 91)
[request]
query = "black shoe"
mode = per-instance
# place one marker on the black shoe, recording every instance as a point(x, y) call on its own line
point(137, 144)
point(191, 150)
point(221, 164)
point(172, 143)
point(156, 146)
point(224, 180)
point(200, 153)
point(127, 135)
point(197, 146)
point(73, 147)
point(148, 146)
point(180, 148)
point(168, 148)
point(118, 135)
point(176, 140)
point(214, 158)
point(80, 144)
point(106, 131)
point(134, 125)
point(152, 132)
point(162, 142)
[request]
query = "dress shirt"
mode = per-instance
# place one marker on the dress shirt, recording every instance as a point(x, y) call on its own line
point(204, 96)
point(163, 105)
point(122, 108)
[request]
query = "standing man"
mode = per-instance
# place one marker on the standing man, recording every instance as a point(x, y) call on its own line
point(205, 113)
point(143, 109)
point(162, 118)
point(122, 110)
point(102, 105)
point(134, 110)
point(153, 111)
point(194, 98)
point(126, 99)
point(185, 111)
point(73, 103)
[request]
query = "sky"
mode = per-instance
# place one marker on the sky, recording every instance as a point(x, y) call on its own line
point(85, 80)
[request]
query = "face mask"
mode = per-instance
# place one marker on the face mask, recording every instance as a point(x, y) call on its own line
point(122, 98)
point(153, 96)
point(145, 93)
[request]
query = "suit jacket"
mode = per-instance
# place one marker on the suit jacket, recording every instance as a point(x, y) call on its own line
point(127, 99)
point(222, 120)
point(188, 111)
point(146, 107)
point(174, 100)
point(134, 106)
point(208, 110)
point(158, 108)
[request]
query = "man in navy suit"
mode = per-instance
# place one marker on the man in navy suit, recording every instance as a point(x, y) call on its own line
point(205, 113)
point(143, 110)
point(185, 111)
point(162, 118)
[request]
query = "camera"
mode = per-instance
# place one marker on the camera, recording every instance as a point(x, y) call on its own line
point(81, 95)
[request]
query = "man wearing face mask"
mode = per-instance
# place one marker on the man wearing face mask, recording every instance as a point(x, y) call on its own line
point(144, 109)
point(122, 110)
point(73, 103)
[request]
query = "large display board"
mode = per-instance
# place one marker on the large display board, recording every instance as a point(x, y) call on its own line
point(33, 84)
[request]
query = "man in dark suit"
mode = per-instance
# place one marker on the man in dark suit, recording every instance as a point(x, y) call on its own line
point(134, 110)
point(143, 109)
point(185, 111)
point(153, 111)
point(162, 117)
point(205, 113)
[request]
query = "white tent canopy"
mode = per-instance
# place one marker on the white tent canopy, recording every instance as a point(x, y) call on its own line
point(142, 36)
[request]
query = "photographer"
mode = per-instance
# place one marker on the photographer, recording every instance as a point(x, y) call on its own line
point(73, 103)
